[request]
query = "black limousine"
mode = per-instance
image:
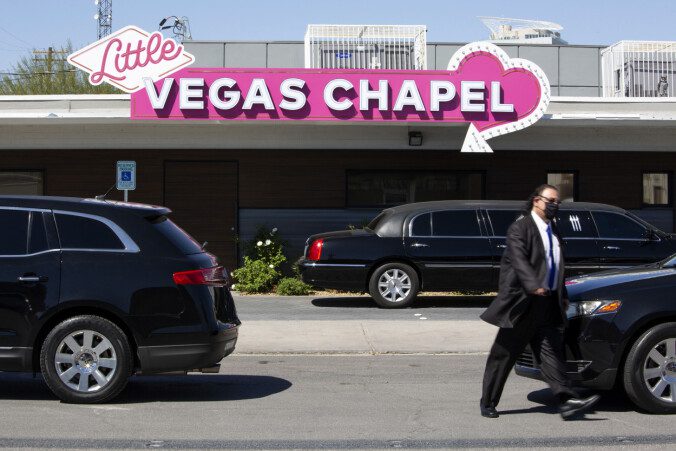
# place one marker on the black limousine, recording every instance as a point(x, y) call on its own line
point(457, 245)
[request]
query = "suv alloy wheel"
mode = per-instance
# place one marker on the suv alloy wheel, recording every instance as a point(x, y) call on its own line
point(86, 359)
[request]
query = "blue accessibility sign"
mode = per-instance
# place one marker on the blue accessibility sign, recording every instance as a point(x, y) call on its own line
point(126, 175)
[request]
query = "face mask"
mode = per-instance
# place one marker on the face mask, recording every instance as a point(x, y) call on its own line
point(551, 209)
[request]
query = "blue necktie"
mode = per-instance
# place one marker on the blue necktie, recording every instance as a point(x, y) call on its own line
point(552, 268)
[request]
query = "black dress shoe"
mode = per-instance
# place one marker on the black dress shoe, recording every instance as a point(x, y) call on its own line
point(576, 406)
point(488, 411)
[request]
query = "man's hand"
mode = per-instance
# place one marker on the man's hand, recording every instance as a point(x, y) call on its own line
point(566, 303)
point(541, 292)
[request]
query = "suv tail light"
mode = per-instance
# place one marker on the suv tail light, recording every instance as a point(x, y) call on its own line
point(315, 251)
point(206, 276)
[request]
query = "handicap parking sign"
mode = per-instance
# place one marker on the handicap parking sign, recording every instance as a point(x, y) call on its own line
point(126, 175)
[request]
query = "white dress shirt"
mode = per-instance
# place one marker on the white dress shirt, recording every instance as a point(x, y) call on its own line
point(542, 227)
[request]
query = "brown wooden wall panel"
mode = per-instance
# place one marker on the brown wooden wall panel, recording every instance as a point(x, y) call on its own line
point(203, 197)
point(316, 178)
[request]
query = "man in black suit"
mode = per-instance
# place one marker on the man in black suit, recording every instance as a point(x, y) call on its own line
point(531, 306)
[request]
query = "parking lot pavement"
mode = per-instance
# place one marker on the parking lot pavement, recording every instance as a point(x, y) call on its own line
point(326, 325)
point(310, 402)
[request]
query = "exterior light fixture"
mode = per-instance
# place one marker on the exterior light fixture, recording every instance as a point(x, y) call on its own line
point(415, 139)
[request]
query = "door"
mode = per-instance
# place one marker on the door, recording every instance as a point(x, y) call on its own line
point(498, 221)
point(451, 250)
point(203, 198)
point(580, 241)
point(624, 241)
point(29, 276)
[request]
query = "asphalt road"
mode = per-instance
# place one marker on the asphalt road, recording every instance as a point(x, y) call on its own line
point(311, 402)
point(289, 308)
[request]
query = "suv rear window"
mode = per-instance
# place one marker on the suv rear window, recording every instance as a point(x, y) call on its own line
point(177, 236)
point(78, 232)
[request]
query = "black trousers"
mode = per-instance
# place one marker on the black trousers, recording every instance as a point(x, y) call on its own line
point(542, 327)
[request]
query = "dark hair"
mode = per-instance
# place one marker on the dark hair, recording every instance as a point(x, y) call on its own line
point(537, 192)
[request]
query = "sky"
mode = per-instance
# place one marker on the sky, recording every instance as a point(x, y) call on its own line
point(26, 25)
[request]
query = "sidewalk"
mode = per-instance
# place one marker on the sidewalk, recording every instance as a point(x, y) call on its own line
point(364, 337)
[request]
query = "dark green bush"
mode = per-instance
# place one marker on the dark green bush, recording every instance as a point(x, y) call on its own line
point(290, 286)
point(256, 276)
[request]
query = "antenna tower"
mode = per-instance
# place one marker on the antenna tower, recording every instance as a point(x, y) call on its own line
point(104, 17)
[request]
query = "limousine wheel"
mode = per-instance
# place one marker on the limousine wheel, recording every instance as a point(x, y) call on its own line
point(394, 285)
point(86, 359)
point(650, 370)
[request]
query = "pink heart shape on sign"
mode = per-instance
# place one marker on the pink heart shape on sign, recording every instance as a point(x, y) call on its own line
point(522, 84)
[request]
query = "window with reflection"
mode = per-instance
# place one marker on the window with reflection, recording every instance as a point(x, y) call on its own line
point(656, 188)
point(566, 182)
point(29, 183)
point(387, 188)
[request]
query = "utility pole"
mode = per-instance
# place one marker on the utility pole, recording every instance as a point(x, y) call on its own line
point(104, 18)
point(48, 57)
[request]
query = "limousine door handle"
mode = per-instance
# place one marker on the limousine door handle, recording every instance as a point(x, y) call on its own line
point(420, 245)
point(611, 248)
point(32, 279)
point(501, 246)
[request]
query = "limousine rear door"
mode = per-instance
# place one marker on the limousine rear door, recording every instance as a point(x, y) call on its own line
point(580, 241)
point(451, 250)
point(575, 226)
point(498, 221)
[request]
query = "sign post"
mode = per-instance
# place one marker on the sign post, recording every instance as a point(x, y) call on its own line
point(126, 177)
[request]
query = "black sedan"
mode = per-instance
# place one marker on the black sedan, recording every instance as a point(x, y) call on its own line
point(457, 245)
point(622, 332)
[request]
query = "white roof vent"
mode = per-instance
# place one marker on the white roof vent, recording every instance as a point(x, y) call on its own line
point(639, 69)
point(366, 47)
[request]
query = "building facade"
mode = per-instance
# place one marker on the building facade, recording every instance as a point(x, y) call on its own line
point(224, 179)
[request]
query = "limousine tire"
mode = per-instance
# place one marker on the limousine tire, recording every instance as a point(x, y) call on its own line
point(650, 370)
point(394, 285)
point(86, 359)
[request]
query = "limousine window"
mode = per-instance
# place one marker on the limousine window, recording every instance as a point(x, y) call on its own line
point(576, 224)
point(501, 220)
point(455, 223)
point(612, 225)
point(14, 236)
point(422, 225)
point(37, 240)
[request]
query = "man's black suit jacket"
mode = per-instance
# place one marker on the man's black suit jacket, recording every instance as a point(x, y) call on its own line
point(522, 270)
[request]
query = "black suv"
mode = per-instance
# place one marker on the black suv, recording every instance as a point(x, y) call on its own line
point(93, 291)
point(457, 245)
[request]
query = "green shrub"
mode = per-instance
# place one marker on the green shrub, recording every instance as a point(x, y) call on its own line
point(262, 263)
point(290, 286)
point(256, 276)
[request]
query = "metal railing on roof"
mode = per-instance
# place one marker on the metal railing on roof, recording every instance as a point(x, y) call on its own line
point(366, 47)
point(639, 69)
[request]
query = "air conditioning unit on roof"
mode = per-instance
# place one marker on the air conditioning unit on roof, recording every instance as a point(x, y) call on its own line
point(399, 47)
point(639, 69)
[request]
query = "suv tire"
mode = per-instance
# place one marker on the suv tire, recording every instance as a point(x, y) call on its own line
point(394, 285)
point(650, 370)
point(86, 359)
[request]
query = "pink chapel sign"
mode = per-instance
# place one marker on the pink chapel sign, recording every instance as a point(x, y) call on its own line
point(482, 86)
